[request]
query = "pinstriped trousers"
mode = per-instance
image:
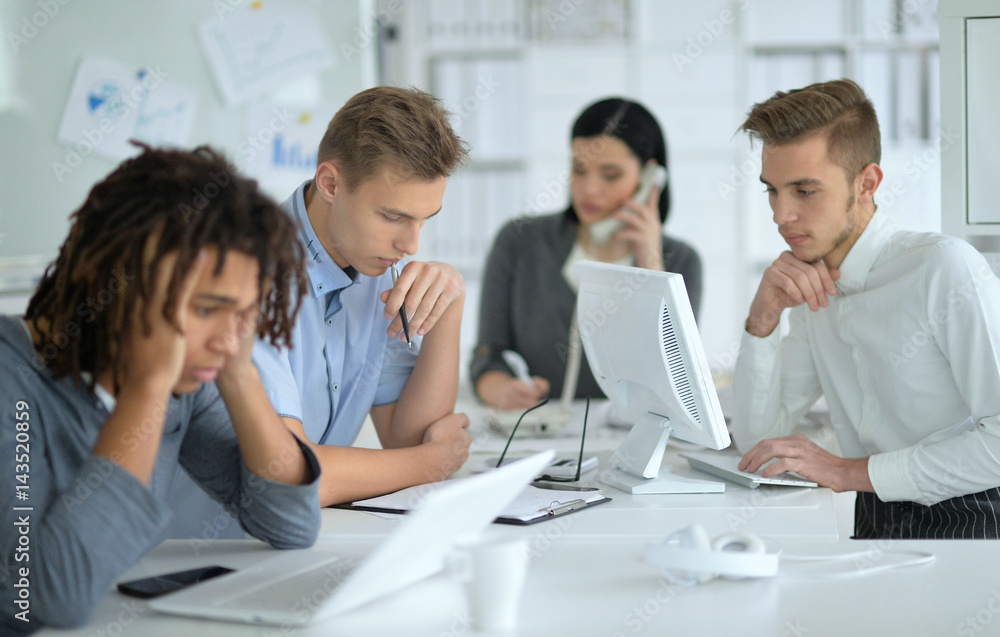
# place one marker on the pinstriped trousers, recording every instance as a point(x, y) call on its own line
point(975, 516)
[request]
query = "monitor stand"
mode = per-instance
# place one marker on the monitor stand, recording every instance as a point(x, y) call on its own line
point(636, 463)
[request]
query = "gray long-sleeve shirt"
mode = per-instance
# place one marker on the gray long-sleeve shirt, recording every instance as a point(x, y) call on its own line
point(82, 520)
point(527, 305)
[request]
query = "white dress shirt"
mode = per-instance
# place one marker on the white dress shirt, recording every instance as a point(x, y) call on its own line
point(907, 355)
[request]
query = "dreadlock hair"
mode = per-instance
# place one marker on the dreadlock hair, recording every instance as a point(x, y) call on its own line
point(159, 202)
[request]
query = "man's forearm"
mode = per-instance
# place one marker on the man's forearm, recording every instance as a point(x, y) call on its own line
point(267, 447)
point(430, 393)
point(855, 476)
point(352, 473)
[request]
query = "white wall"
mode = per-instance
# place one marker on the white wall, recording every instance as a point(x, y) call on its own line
point(36, 75)
point(698, 66)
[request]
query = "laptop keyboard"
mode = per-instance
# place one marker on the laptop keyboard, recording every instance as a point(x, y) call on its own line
point(306, 589)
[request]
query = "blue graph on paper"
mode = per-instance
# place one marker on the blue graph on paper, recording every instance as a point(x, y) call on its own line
point(161, 116)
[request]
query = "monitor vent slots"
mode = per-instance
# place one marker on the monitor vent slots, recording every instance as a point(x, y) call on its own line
point(672, 351)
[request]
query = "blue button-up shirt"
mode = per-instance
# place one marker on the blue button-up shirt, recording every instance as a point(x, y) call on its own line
point(341, 363)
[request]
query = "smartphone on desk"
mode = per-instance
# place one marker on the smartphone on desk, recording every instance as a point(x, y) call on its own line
point(652, 174)
point(149, 587)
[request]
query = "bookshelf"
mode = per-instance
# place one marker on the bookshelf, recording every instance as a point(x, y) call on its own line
point(698, 66)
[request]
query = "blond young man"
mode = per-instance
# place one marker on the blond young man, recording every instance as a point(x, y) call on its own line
point(900, 331)
point(382, 168)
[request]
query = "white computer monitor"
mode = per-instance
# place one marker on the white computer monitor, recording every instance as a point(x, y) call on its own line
point(643, 346)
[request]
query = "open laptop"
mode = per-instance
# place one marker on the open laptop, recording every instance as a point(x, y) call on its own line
point(295, 588)
point(724, 466)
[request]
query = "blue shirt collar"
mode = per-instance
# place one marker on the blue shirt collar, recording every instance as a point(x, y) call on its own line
point(325, 276)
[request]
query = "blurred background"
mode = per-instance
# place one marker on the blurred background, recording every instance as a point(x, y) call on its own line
point(260, 80)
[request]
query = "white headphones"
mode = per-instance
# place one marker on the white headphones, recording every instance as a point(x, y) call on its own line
point(687, 557)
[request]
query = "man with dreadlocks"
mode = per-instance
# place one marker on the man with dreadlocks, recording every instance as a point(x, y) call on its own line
point(134, 361)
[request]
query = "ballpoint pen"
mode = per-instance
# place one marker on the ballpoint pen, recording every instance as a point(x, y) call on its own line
point(402, 310)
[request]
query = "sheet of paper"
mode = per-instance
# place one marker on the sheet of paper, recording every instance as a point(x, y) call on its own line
point(110, 103)
point(261, 46)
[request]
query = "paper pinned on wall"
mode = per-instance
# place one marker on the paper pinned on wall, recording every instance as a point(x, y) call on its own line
point(280, 144)
point(111, 102)
point(262, 46)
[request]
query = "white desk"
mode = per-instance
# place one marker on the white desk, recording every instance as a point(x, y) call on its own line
point(588, 588)
point(587, 577)
point(778, 512)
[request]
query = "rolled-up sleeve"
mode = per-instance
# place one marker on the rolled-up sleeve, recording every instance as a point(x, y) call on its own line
point(283, 515)
point(278, 380)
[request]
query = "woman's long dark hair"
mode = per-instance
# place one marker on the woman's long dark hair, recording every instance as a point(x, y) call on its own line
point(634, 125)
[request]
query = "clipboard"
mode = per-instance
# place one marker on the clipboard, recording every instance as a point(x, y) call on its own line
point(554, 509)
point(532, 506)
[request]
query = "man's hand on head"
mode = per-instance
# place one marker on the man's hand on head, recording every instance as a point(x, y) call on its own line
point(158, 357)
point(789, 282)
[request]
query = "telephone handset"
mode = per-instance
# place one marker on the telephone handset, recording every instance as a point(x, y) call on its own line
point(652, 174)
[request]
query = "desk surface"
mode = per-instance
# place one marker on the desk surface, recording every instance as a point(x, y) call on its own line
point(779, 512)
point(587, 577)
point(587, 587)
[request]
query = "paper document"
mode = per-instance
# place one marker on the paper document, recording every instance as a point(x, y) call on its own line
point(260, 47)
point(110, 103)
point(532, 505)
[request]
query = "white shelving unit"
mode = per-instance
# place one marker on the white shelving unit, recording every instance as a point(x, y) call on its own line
point(970, 90)
point(698, 66)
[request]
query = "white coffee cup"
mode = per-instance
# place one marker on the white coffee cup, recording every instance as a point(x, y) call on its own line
point(494, 572)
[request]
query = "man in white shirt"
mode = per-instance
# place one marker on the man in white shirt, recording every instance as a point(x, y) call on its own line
point(900, 331)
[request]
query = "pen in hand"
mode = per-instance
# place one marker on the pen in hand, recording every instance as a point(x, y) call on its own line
point(402, 311)
point(517, 365)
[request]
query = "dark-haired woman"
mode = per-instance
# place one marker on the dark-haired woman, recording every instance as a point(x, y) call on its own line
point(528, 292)
point(132, 364)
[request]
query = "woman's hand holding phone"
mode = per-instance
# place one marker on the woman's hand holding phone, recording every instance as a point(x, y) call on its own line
point(638, 221)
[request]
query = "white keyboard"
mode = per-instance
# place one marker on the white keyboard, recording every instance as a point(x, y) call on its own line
point(311, 586)
point(725, 466)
